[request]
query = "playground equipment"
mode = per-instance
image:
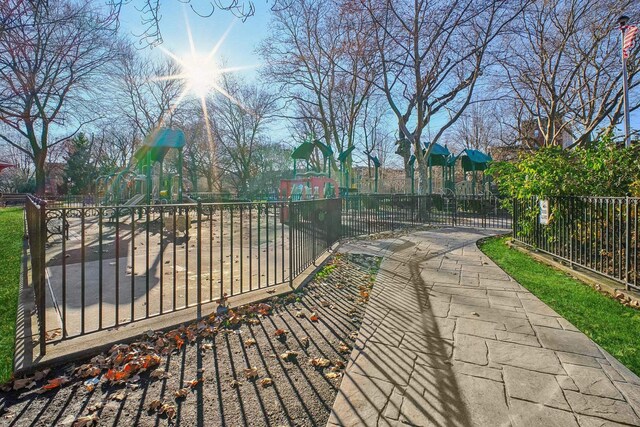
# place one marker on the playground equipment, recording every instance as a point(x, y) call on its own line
point(376, 165)
point(472, 161)
point(137, 183)
point(345, 181)
point(309, 184)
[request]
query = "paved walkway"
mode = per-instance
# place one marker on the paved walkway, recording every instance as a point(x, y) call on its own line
point(450, 339)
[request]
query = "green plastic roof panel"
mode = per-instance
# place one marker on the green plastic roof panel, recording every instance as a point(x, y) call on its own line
point(324, 148)
point(374, 159)
point(439, 155)
point(303, 152)
point(474, 160)
point(343, 155)
point(159, 143)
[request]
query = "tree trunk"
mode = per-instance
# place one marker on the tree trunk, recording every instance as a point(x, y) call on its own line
point(39, 161)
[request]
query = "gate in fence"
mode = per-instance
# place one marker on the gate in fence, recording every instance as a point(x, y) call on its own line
point(98, 267)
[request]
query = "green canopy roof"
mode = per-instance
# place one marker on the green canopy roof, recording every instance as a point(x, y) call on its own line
point(324, 148)
point(303, 152)
point(159, 143)
point(374, 159)
point(439, 154)
point(344, 154)
point(474, 160)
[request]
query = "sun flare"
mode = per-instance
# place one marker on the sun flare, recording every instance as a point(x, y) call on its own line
point(200, 73)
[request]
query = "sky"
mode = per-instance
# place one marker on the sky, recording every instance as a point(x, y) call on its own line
point(240, 45)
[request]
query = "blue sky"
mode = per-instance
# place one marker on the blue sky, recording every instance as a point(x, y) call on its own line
point(239, 48)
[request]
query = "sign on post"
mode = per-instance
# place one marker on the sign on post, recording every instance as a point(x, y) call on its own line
point(544, 212)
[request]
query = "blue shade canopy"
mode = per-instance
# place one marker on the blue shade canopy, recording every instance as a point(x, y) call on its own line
point(159, 143)
point(438, 156)
point(344, 154)
point(474, 160)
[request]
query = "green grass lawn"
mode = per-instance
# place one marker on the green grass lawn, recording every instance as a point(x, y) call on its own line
point(613, 326)
point(11, 232)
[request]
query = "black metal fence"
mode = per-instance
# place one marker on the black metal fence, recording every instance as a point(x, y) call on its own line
point(596, 233)
point(375, 213)
point(98, 267)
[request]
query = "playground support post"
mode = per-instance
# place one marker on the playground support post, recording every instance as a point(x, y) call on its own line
point(375, 187)
point(180, 160)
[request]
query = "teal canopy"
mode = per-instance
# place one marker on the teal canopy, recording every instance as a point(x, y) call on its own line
point(342, 157)
point(439, 155)
point(474, 160)
point(303, 152)
point(159, 143)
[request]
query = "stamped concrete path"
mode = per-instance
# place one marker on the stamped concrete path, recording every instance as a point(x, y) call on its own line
point(450, 339)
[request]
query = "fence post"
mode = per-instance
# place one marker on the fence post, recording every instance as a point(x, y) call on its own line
point(199, 258)
point(41, 239)
point(291, 213)
point(455, 209)
point(627, 251)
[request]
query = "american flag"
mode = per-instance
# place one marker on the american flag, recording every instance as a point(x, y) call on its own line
point(629, 40)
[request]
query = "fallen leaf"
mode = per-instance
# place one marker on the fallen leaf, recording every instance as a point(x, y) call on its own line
point(314, 317)
point(95, 407)
point(55, 383)
point(160, 374)
point(266, 382)
point(280, 333)
point(271, 291)
point(207, 346)
point(343, 348)
point(235, 383)
point(249, 342)
point(289, 355)
point(251, 373)
point(39, 375)
point(353, 336)
point(300, 314)
point(85, 421)
point(194, 383)
point(23, 383)
point(319, 362)
point(332, 375)
point(154, 405)
point(119, 396)
point(182, 393)
point(339, 364)
point(304, 341)
point(168, 410)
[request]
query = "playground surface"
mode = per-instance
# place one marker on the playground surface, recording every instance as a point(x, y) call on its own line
point(214, 366)
point(448, 338)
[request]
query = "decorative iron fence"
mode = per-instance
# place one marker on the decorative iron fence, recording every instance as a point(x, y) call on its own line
point(597, 233)
point(98, 267)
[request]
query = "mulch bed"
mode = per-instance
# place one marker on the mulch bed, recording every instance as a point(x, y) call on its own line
point(274, 363)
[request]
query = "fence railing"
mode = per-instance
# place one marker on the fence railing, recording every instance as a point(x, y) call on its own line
point(596, 233)
point(37, 233)
point(98, 267)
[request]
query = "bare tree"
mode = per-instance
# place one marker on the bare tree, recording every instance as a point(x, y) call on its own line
point(145, 95)
point(239, 122)
point(48, 61)
point(431, 55)
point(562, 64)
point(316, 55)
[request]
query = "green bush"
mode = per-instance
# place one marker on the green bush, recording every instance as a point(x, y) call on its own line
point(600, 169)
